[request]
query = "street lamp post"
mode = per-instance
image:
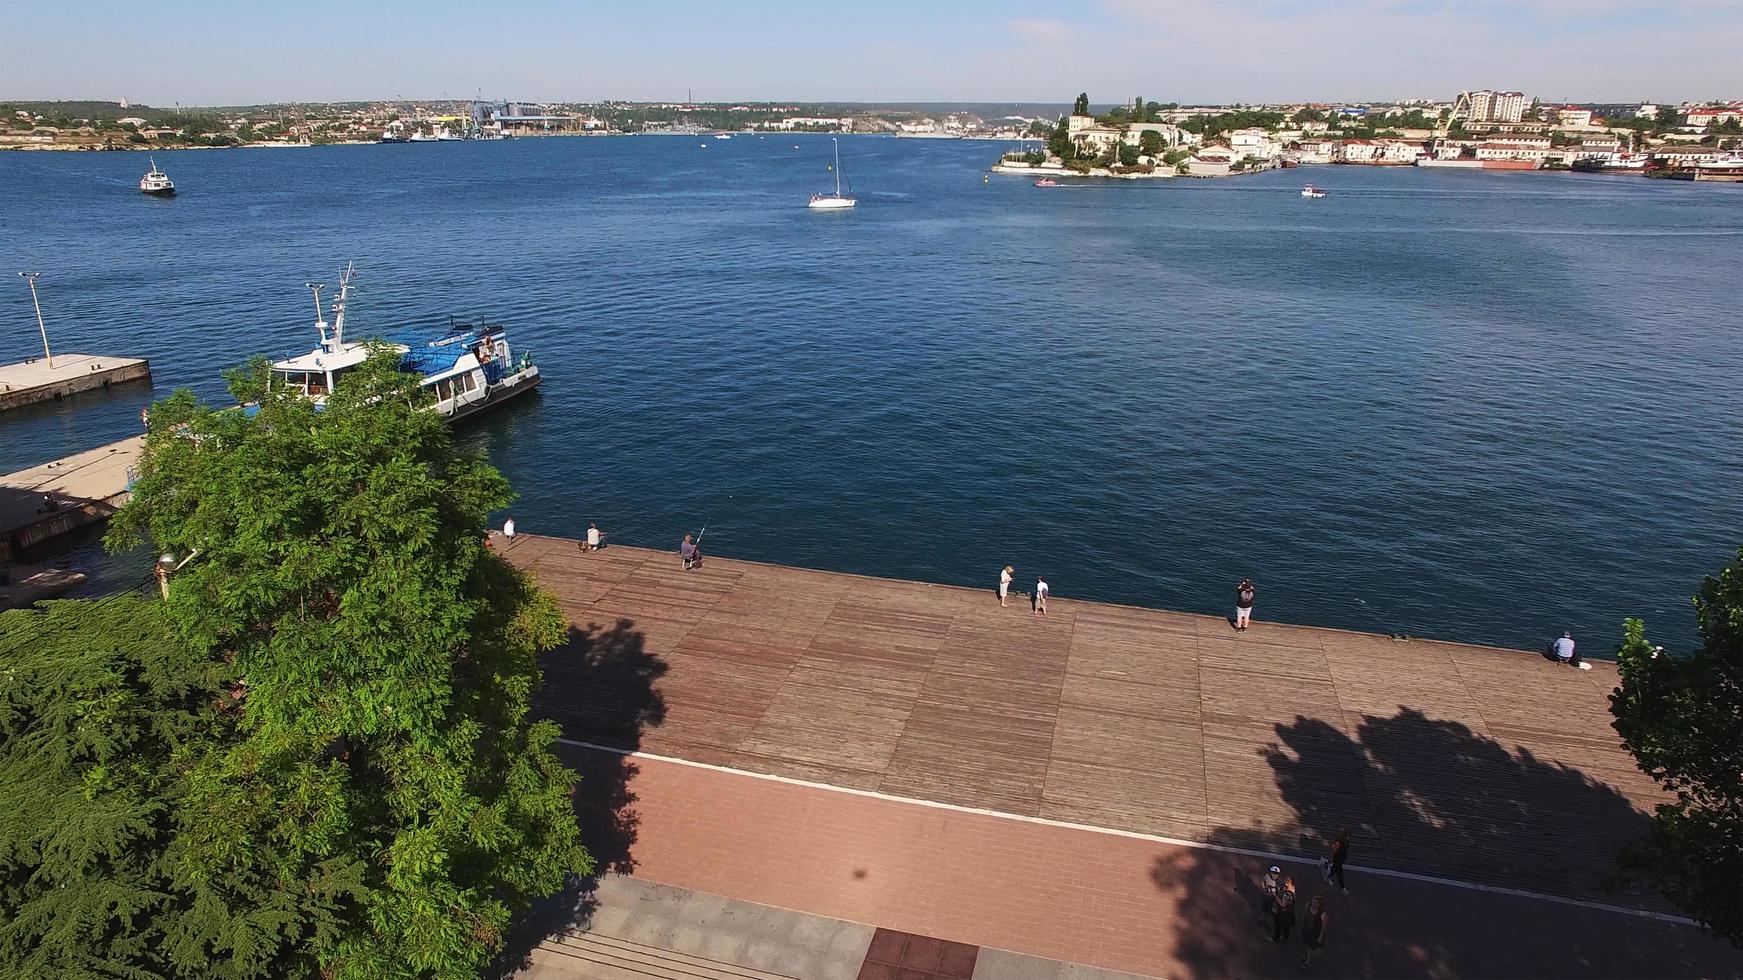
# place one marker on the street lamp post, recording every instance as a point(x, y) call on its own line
point(30, 277)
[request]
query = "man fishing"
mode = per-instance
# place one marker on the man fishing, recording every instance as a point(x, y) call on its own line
point(688, 551)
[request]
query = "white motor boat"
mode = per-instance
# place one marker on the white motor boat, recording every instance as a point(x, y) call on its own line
point(157, 183)
point(836, 201)
point(1312, 191)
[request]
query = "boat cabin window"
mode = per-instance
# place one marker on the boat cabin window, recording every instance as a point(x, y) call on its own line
point(444, 391)
point(466, 381)
point(294, 379)
point(338, 373)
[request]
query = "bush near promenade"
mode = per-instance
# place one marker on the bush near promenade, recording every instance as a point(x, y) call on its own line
point(316, 758)
point(1682, 717)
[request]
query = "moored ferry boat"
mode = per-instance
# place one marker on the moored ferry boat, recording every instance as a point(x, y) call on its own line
point(468, 368)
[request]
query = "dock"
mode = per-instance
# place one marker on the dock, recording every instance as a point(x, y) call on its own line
point(32, 381)
point(22, 585)
point(44, 502)
point(1466, 763)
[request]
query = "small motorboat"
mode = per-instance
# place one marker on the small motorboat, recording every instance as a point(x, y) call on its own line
point(1312, 191)
point(1046, 182)
point(157, 183)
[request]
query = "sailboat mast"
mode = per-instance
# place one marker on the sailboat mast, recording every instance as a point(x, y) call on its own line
point(837, 142)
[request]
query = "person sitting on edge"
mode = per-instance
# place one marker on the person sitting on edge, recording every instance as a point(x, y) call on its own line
point(593, 537)
point(508, 529)
point(1564, 650)
point(689, 552)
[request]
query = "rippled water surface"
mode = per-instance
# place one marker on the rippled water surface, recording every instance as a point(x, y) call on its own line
point(1481, 406)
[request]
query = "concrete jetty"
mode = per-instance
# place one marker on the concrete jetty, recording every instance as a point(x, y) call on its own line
point(32, 381)
point(46, 501)
point(1462, 762)
point(21, 585)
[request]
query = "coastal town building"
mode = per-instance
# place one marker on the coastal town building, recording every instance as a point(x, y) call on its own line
point(1171, 135)
point(1573, 117)
point(839, 124)
point(1534, 148)
point(1647, 110)
point(1255, 142)
point(1211, 161)
point(1489, 106)
point(1379, 151)
point(1708, 115)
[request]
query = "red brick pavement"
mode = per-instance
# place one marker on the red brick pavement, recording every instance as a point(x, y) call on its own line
point(1117, 901)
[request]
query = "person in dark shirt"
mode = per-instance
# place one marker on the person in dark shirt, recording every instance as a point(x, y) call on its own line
point(688, 551)
point(1334, 865)
point(1283, 911)
point(1313, 929)
point(1244, 603)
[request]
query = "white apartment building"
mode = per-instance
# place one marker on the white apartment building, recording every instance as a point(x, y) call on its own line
point(1706, 116)
point(1255, 142)
point(1573, 117)
point(1171, 135)
point(1514, 148)
point(1488, 105)
point(844, 123)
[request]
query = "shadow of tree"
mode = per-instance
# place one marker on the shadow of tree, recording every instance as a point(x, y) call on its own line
point(599, 687)
point(1435, 798)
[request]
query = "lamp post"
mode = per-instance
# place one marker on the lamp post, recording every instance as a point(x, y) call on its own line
point(166, 563)
point(31, 277)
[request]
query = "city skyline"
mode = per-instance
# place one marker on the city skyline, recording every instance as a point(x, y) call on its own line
point(1196, 51)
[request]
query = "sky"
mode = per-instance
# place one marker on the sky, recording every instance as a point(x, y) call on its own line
point(200, 52)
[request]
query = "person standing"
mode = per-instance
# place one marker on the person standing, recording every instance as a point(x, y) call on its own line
point(1005, 583)
point(1041, 591)
point(1268, 886)
point(593, 537)
point(1244, 594)
point(1332, 870)
point(1313, 929)
point(1283, 911)
point(508, 529)
point(1564, 651)
point(688, 551)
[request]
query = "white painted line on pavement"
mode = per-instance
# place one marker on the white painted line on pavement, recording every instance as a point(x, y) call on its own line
point(1134, 835)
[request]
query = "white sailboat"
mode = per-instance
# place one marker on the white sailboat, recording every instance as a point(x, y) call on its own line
point(836, 201)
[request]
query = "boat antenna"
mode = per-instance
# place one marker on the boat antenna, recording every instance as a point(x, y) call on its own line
point(345, 278)
point(320, 321)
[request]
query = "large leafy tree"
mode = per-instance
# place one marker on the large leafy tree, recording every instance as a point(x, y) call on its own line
point(1682, 717)
point(371, 797)
point(1081, 106)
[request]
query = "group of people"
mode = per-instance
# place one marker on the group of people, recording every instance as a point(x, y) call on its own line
point(1277, 891)
point(1244, 595)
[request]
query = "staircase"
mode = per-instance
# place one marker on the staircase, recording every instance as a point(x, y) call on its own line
point(591, 956)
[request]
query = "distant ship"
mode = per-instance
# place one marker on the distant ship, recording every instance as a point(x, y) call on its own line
point(468, 369)
point(836, 201)
point(419, 136)
point(157, 183)
point(1312, 191)
point(395, 133)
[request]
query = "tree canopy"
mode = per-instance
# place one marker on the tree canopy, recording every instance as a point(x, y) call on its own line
point(1081, 106)
point(1682, 718)
point(331, 768)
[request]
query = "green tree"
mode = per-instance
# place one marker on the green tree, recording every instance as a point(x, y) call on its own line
point(1150, 142)
point(1128, 155)
point(1668, 118)
point(1682, 718)
point(1081, 106)
point(101, 708)
point(386, 796)
point(1059, 144)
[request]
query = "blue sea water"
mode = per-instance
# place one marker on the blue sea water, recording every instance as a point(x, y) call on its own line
point(1477, 406)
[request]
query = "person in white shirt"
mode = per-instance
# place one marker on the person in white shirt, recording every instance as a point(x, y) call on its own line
point(1005, 583)
point(1040, 596)
point(508, 529)
point(593, 537)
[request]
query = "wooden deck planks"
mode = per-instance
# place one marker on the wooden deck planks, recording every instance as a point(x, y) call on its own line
point(1442, 758)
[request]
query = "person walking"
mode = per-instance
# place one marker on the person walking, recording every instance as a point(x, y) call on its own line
point(1283, 911)
point(1331, 868)
point(1041, 591)
point(688, 551)
point(1005, 583)
point(1313, 929)
point(1244, 603)
point(593, 537)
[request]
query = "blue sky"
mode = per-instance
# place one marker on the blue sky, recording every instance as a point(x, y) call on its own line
point(957, 50)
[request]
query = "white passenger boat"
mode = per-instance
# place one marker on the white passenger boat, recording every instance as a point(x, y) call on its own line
point(156, 182)
point(468, 368)
point(1312, 191)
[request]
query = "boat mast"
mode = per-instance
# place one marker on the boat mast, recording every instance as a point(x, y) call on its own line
point(320, 321)
point(837, 142)
point(339, 306)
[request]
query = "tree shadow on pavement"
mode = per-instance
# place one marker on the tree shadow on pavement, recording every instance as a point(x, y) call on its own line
point(599, 686)
point(1434, 798)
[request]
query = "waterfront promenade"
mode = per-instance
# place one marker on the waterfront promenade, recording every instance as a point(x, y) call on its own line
point(1102, 786)
point(86, 488)
point(1441, 758)
point(29, 382)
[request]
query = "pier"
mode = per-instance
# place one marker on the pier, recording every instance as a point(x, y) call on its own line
point(1447, 759)
point(32, 381)
point(46, 501)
